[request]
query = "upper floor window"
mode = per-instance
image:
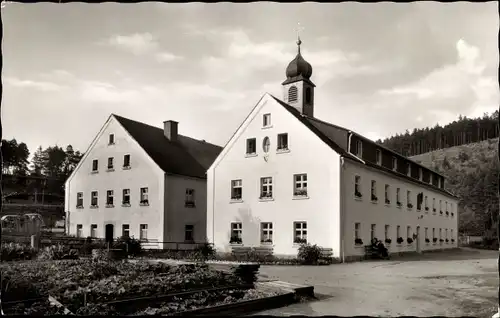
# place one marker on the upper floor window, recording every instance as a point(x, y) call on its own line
point(283, 141)
point(79, 199)
point(359, 148)
point(110, 163)
point(374, 191)
point(251, 146)
point(398, 196)
point(109, 198)
point(387, 199)
point(93, 198)
point(378, 154)
point(266, 187)
point(408, 199)
point(426, 204)
point(357, 186)
point(394, 163)
point(293, 94)
point(111, 139)
point(144, 196)
point(95, 165)
point(308, 95)
point(266, 143)
point(189, 198)
point(236, 190)
point(126, 161)
point(126, 196)
point(266, 120)
point(300, 185)
point(433, 204)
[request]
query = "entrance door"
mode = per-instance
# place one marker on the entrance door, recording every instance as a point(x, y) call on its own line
point(110, 233)
point(418, 239)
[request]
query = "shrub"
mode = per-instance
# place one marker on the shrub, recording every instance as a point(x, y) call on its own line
point(463, 156)
point(58, 252)
point(409, 240)
point(358, 241)
point(309, 254)
point(400, 240)
point(206, 250)
point(17, 252)
point(130, 244)
point(388, 241)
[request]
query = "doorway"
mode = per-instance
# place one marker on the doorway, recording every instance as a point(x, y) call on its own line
point(110, 233)
point(418, 239)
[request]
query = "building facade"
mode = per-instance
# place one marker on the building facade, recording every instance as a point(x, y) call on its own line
point(286, 177)
point(140, 181)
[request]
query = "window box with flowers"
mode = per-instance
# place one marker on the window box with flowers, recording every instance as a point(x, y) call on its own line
point(235, 240)
point(446, 240)
point(358, 241)
point(434, 240)
point(409, 205)
point(387, 201)
point(426, 208)
point(358, 195)
point(94, 206)
point(409, 240)
point(427, 241)
point(374, 198)
point(79, 206)
point(452, 240)
point(447, 213)
point(441, 241)
point(434, 210)
point(388, 241)
point(266, 242)
point(452, 214)
point(109, 205)
point(441, 212)
point(144, 202)
point(301, 193)
point(399, 204)
point(299, 240)
point(267, 196)
point(400, 240)
point(126, 204)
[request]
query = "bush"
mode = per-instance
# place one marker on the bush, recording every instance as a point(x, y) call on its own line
point(309, 254)
point(58, 252)
point(17, 252)
point(129, 244)
point(206, 250)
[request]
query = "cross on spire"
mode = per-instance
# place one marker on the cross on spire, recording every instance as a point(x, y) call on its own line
point(298, 29)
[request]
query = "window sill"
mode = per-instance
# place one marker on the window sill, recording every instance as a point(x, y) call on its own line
point(111, 144)
point(300, 197)
point(374, 201)
point(126, 205)
point(358, 198)
point(250, 155)
point(297, 245)
point(359, 246)
point(267, 244)
point(110, 170)
point(278, 151)
point(267, 127)
point(235, 244)
point(144, 204)
point(236, 201)
point(409, 209)
point(94, 206)
point(94, 172)
point(266, 199)
point(126, 167)
point(399, 206)
point(110, 206)
point(79, 206)
point(189, 205)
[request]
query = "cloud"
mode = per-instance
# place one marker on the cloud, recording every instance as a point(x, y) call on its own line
point(166, 57)
point(43, 86)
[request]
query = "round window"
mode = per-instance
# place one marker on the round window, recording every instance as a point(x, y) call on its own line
point(266, 143)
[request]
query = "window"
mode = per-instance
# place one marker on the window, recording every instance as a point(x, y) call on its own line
point(394, 163)
point(373, 232)
point(126, 161)
point(446, 206)
point(430, 178)
point(236, 190)
point(386, 232)
point(188, 233)
point(420, 174)
point(398, 231)
point(266, 143)
point(426, 230)
point(266, 187)
point(110, 163)
point(433, 233)
point(434, 204)
point(426, 204)
point(357, 230)
point(387, 189)
point(357, 186)
point(95, 165)
point(439, 182)
point(251, 146)
point(126, 196)
point(408, 199)
point(308, 95)
point(266, 232)
point(93, 198)
point(300, 232)
point(266, 120)
point(283, 141)
point(79, 200)
point(109, 198)
point(236, 233)
point(93, 230)
point(374, 190)
point(300, 185)
point(111, 139)
point(451, 235)
point(420, 199)
point(378, 154)
point(440, 206)
point(144, 196)
point(143, 232)
point(125, 230)
point(359, 148)
point(189, 198)
point(398, 196)
point(440, 234)
point(293, 94)
point(408, 231)
point(446, 234)
point(79, 230)
point(408, 169)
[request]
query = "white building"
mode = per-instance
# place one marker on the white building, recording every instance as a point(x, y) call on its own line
point(286, 177)
point(141, 181)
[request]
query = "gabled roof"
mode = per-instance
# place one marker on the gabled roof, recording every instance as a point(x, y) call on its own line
point(185, 156)
point(333, 136)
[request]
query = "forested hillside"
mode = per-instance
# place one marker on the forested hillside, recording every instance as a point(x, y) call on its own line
point(472, 172)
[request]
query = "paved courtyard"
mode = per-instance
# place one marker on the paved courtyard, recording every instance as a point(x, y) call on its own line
point(455, 283)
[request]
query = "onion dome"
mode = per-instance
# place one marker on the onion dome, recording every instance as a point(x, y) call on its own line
point(298, 67)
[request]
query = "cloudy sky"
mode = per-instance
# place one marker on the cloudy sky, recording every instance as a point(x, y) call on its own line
point(379, 68)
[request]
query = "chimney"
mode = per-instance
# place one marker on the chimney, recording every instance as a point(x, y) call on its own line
point(170, 129)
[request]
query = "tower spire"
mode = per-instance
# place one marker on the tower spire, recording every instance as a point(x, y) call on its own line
point(298, 29)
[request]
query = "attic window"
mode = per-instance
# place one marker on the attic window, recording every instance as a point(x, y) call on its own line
point(408, 169)
point(394, 163)
point(359, 148)
point(266, 120)
point(420, 174)
point(293, 94)
point(378, 156)
point(111, 139)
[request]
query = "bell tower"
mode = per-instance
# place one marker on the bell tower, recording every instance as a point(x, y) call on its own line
point(298, 90)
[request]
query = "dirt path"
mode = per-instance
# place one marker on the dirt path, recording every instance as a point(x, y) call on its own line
point(458, 283)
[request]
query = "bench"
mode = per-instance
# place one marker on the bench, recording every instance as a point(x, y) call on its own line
point(326, 252)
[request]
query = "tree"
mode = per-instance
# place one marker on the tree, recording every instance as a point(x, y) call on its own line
point(15, 157)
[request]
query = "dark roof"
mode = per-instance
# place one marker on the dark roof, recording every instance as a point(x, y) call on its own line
point(186, 156)
point(336, 138)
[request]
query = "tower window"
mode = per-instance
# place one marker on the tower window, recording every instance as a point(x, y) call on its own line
point(308, 95)
point(293, 94)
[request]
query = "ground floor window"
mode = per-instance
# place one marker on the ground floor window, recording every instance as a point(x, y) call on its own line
point(188, 232)
point(125, 230)
point(300, 232)
point(143, 231)
point(236, 233)
point(426, 234)
point(386, 235)
point(373, 233)
point(93, 230)
point(266, 232)
point(79, 230)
